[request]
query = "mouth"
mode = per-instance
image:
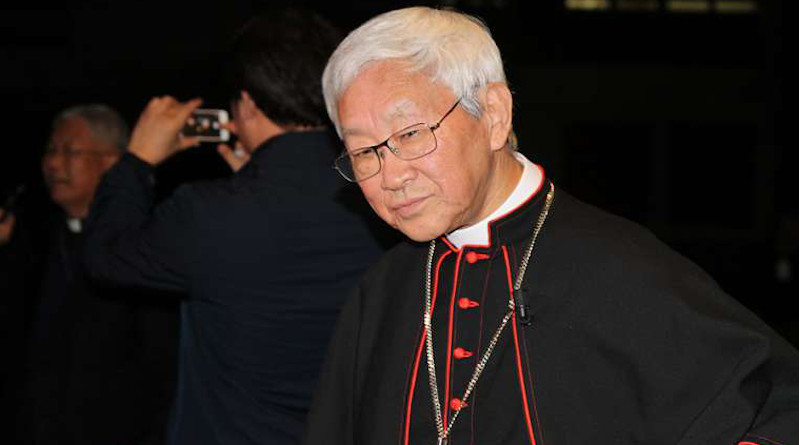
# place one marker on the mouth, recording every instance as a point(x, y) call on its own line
point(408, 208)
point(57, 182)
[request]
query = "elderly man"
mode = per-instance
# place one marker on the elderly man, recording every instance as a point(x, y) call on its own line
point(518, 314)
point(101, 361)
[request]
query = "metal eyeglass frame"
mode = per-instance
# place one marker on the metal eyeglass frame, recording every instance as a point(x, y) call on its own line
point(345, 154)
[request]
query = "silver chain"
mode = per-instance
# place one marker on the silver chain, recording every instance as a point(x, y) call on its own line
point(529, 251)
point(443, 432)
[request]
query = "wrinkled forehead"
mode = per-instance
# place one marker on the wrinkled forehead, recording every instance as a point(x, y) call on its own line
point(76, 131)
point(69, 129)
point(388, 92)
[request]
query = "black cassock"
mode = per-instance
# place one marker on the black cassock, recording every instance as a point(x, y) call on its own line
point(628, 343)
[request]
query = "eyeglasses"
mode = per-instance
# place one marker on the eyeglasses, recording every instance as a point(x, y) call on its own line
point(71, 152)
point(407, 144)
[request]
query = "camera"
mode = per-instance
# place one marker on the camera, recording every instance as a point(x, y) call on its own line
point(207, 125)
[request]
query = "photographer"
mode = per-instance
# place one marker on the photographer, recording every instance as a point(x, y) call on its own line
point(266, 257)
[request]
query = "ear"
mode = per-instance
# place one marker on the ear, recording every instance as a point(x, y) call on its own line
point(246, 106)
point(497, 110)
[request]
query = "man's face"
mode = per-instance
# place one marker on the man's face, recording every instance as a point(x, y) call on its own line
point(74, 163)
point(429, 196)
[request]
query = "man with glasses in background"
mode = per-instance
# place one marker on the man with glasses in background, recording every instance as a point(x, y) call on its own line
point(99, 362)
point(516, 314)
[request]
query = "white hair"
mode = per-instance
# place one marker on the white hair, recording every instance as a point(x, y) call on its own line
point(104, 122)
point(455, 49)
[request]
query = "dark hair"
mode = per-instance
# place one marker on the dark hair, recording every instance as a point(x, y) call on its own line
point(278, 58)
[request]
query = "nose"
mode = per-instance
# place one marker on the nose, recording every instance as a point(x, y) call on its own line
point(395, 172)
point(51, 163)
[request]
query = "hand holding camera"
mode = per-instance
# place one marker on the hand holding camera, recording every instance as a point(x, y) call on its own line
point(157, 134)
point(236, 156)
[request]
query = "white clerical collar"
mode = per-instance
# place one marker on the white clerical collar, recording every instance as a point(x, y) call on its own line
point(74, 225)
point(529, 184)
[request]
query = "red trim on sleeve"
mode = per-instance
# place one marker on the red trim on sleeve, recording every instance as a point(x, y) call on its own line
point(761, 440)
point(522, 390)
point(419, 350)
point(748, 442)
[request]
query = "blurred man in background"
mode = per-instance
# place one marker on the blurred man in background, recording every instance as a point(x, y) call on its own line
point(267, 257)
point(100, 364)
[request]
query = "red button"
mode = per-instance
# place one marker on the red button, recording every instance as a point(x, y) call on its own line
point(460, 353)
point(474, 257)
point(466, 303)
point(457, 404)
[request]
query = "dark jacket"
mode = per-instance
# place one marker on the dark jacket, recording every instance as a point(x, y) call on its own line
point(266, 258)
point(100, 362)
point(629, 344)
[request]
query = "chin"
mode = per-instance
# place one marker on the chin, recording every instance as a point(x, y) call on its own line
point(419, 228)
point(421, 232)
point(60, 196)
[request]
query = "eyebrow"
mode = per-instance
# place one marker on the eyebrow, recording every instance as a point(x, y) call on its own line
point(350, 132)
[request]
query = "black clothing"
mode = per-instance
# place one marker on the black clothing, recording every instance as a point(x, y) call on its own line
point(266, 258)
point(20, 264)
point(101, 362)
point(629, 343)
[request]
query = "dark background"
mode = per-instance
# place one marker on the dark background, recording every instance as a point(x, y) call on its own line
point(680, 121)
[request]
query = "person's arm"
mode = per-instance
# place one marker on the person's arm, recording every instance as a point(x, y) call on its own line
point(727, 375)
point(129, 242)
point(776, 419)
point(761, 391)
